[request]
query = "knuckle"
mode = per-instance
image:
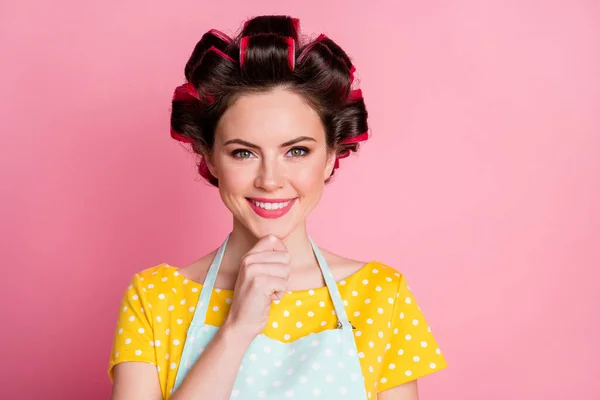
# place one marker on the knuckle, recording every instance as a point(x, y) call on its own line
point(259, 281)
point(249, 262)
point(246, 261)
point(248, 273)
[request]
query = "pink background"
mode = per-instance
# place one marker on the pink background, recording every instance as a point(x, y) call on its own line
point(481, 181)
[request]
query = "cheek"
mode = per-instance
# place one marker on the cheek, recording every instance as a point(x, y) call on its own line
point(235, 178)
point(308, 178)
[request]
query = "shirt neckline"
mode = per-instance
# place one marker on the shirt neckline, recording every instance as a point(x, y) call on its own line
point(341, 282)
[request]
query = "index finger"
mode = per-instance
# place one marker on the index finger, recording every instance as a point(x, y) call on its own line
point(270, 242)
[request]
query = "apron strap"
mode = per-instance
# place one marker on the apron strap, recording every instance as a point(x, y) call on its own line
point(208, 285)
point(334, 293)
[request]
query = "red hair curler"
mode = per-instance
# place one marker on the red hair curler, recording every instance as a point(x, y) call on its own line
point(356, 94)
point(310, 46)
point(185, 91)
point(243, 45)
point(291, 52)
point(220, 35)
point(219, 52)
point(355, 139)
point(339, 157)
point(245, 24)
point(204, 171)
point(178, 136)
point(203, 167)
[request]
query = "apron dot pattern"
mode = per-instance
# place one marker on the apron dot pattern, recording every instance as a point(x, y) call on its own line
point(274, 357)
point(318, 369)
point(392, 348)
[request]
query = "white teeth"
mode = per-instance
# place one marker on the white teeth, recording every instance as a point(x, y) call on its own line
point(270, 206)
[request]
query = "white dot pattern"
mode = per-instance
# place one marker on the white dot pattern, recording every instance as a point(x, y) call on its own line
point(271, 367)
point(380, 336)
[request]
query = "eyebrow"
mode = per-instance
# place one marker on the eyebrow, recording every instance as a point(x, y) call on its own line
point(252, 145)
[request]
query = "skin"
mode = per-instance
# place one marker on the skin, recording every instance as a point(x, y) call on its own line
point(249, 160)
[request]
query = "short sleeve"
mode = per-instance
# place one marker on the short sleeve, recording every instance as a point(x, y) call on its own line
point(412, 351)
point(133, 334)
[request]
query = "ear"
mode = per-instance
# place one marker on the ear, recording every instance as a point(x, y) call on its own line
point(331, 156)
point(211, 166)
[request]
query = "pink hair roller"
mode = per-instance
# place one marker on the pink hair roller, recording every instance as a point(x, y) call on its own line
point(291, 52)
point(355, 139)
point(356, 94)
point(220, 35)
point(184, 91)
point(243, 45)
point(178, 136)
point(204, 171)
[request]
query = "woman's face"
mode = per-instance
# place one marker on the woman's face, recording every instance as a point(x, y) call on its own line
point(271, 160)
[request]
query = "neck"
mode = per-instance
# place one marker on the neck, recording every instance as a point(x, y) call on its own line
point(242, 240)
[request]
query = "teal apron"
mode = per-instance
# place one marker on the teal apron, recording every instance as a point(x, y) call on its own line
point(320, 365)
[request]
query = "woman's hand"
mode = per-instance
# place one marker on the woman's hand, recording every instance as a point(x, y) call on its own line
point(262, 277)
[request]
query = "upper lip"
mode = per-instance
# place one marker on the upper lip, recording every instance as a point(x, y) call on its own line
point(265, 200)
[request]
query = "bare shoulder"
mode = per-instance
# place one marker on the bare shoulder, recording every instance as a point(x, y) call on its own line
point(342, 267)
point(197, 270)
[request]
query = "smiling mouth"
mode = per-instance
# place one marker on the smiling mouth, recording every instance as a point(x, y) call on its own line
point(270, 205)
point(271, 208)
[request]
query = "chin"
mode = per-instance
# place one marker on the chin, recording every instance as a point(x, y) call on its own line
point(277, 228)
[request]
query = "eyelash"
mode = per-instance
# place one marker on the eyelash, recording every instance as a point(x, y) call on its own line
point(236, 153)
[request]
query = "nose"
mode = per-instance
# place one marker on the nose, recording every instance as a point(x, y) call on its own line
point(271, 174)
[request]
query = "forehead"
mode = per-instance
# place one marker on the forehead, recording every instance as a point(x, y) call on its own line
point(277, 115)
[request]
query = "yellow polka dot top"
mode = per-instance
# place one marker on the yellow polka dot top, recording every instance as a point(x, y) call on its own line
point(394, 342)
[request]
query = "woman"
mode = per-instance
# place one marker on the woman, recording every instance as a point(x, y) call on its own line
point(269, 314)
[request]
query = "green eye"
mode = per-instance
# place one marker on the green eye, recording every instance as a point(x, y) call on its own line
point(298, 151)
point(242, 154)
